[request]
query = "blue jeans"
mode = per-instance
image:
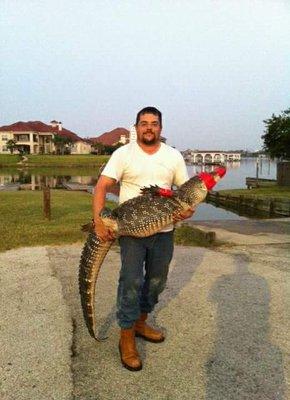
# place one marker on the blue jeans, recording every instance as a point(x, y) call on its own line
point(144, 270)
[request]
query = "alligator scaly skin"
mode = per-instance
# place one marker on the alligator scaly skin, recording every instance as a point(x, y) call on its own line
point(92, 257)
point(141, 216)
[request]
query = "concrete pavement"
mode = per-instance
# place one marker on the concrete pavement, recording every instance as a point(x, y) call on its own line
point(35, 328)
point(225, 312)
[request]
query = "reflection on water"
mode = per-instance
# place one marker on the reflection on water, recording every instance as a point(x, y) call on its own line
point(208, 212)
point(33, 181)
point(55, 177)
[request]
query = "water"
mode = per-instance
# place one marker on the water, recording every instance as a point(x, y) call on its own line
point(234, 179)
point(237, 172)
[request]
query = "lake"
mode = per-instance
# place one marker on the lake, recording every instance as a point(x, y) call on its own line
point(55, 177)
point(234, 179)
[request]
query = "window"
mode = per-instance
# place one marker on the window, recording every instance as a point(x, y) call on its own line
point(24, 138)
point(4, 138)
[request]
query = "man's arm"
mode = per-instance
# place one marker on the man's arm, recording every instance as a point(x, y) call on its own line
point(99, 199)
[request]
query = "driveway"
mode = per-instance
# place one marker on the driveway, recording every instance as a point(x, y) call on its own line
point(225, 312)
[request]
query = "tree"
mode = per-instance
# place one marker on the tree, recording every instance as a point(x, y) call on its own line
point(107, 149)
point(277, 135)
point(62, 143)
point(11, 145)
point(99, 148)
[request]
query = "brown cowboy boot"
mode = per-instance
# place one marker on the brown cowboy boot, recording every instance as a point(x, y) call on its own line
point(127, 347)
point(146, 332)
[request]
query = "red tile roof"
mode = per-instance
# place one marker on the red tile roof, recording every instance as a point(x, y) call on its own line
point(38, 126)
point(112, 137)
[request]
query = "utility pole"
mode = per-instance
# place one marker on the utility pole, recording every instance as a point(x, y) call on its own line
point(46, 201)
point(257, 171)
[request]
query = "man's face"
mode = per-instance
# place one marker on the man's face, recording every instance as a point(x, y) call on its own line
point(148, 129)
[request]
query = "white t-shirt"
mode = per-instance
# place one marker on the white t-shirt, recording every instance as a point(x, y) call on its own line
point(134, 169)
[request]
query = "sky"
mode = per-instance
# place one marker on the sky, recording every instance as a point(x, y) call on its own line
point(216, 69)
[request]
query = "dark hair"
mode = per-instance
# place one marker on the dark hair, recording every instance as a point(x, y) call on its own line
point(149, 110)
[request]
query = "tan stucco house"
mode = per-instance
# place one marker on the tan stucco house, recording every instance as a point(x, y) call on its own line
point(36, 137)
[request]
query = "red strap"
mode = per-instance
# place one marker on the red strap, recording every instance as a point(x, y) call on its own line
point(208, 179)
point(165, 192)
point(220, 171)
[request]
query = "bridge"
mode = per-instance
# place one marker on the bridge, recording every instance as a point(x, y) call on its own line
point(210, 156)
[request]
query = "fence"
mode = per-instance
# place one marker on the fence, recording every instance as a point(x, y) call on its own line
point(283, 173)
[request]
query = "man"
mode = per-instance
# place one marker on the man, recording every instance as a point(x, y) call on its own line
point(145, 261)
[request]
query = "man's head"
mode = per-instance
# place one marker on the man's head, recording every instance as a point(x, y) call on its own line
point(149, 125)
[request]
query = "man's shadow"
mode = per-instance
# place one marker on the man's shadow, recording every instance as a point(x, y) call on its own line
point(244, 365)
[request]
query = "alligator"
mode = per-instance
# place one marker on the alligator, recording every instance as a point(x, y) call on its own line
point(140, 216)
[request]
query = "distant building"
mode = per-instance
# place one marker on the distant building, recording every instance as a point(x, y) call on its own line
point(210, 156)
point(112, 138)
point(133, 134)
point(36, 137)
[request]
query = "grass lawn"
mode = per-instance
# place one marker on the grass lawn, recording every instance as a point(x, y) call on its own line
point(271, 191)
point(76, 160)
point(9, 159)
point(82, 160)
point(23, 225)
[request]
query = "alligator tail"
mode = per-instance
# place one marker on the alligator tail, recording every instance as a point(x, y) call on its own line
point(92, 257)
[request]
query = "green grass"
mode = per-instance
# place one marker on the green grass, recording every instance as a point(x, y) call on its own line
point(35, 160)
point(23, 225)
point(81, 160)
point(185, 236)
point(271, 191)
point(9, 159)
point(22, 222)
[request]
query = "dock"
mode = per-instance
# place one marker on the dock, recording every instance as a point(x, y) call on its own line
point(259, 182)
point(10, 187)
point(77, 187)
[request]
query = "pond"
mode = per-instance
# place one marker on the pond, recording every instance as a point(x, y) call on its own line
point(234, 179)
point(56, 177)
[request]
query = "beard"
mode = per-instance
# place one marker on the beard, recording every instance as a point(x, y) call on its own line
point(151, 141)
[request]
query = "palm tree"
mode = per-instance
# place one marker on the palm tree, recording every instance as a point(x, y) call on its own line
point(62, 143)
point(11, 145)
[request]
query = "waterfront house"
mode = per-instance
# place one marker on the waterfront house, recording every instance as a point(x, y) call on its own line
point(36, 137)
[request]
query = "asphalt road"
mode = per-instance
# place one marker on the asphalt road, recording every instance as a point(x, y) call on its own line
point(225, 312)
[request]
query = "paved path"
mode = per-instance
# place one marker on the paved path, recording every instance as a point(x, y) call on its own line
point(224, 311)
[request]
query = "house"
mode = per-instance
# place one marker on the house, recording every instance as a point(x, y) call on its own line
point(36, 137)
point(118, 136)
point(112, 138)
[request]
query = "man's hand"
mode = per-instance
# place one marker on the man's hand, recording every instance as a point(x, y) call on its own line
point(181, 215)
point(104, 234)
